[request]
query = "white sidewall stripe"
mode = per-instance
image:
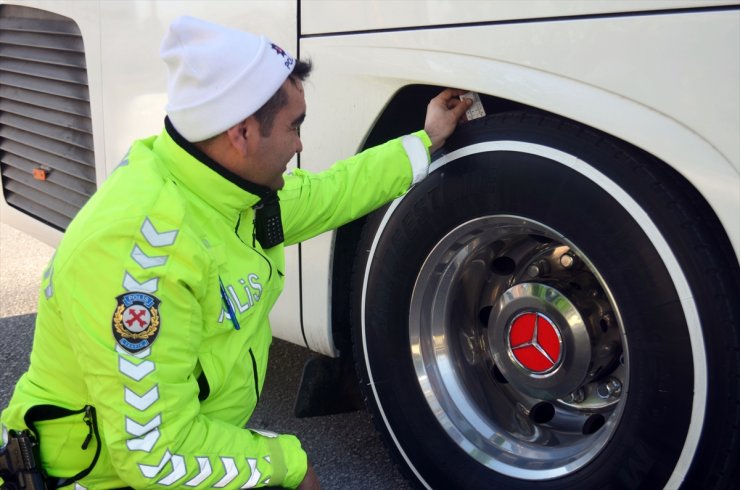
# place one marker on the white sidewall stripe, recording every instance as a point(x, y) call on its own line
point(656, 238)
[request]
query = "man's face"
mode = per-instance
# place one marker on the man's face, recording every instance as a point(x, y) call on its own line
point(272, 153)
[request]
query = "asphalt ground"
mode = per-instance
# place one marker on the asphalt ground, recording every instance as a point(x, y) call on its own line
point(345, 449)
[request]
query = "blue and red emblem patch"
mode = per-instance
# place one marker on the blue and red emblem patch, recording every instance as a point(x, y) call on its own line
point(136, 321)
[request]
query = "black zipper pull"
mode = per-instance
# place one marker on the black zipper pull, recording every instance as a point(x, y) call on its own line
point(254, 231)
point(236, 228)
point(89, 422)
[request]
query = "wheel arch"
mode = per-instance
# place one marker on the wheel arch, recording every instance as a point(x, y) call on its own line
point(403, 114)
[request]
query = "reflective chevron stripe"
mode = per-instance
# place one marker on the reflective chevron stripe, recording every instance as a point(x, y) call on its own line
point(155, 238)
point(141, 354)
point(231, 472)
point(137, 372)
point(178, 471)
point(205, 472)
point(145, 443)
point(151, 471)
point(136, 429)
point(254, 476)
point(142, 402)
point(146, 261)
point(131, 284)
point(49, 274)
point(147, 435)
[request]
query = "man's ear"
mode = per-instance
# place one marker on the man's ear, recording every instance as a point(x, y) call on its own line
point(240, 135)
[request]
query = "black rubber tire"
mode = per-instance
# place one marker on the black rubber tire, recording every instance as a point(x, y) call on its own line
point(645, 447)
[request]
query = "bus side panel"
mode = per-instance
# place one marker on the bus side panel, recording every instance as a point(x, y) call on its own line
point(628, 77)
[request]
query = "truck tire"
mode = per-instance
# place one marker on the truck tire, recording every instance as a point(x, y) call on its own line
point(551, 308)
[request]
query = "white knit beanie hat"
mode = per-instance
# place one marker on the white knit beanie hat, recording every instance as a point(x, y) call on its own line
point(218, 76)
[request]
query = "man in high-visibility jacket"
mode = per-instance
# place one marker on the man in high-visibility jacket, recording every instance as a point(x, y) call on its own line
point(152, 333)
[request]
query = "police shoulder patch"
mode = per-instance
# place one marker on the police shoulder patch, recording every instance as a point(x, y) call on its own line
point(136, 321)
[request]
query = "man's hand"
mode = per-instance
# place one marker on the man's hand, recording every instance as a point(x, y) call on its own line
point(310, 481)
point(444, 112)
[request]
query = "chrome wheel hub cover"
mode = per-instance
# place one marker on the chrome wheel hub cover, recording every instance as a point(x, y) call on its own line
point(539, 341)
point(518, 347)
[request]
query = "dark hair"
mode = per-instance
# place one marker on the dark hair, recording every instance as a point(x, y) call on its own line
point(265, 115)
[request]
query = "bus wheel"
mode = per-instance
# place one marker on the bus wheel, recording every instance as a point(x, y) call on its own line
point(554, 309)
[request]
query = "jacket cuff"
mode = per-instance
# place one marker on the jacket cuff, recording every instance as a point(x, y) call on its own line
point(289, 461)
point(417, 148)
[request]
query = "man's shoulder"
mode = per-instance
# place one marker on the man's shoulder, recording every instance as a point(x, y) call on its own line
point(138, 194)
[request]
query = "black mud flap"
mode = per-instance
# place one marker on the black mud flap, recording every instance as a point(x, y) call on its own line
point(328, 386)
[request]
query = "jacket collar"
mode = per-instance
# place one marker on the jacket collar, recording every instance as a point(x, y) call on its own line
point(217, 186)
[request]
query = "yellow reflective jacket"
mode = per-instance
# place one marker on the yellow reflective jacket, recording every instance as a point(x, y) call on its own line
point(133, 321)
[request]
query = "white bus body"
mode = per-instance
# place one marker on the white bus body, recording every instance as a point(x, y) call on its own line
point(661, 77)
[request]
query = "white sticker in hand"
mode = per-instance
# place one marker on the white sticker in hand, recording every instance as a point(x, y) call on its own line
point(476, 109)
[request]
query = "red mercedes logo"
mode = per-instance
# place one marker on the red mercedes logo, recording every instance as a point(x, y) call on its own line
point(535, 343)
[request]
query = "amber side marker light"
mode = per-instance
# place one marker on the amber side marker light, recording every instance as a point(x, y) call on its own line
point(40, 173)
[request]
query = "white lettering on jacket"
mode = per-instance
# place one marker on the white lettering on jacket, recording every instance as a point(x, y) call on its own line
point(244, 296)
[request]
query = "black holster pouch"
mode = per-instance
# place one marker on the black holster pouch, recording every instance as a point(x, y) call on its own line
point(19, 463)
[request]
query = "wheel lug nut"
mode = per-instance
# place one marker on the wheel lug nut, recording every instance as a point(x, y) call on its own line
point(577, 396)
point(567, 260)
point(538, 268)
point(610, 387)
